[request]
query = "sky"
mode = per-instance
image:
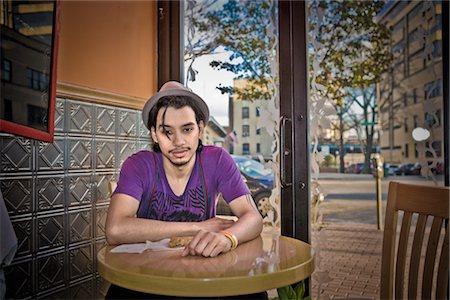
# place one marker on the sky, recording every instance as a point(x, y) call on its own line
point(206, 82)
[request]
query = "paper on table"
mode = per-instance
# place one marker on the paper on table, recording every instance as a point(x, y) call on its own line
point(141, 247)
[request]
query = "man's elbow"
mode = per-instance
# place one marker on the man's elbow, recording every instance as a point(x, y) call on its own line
point(259, 223)
point(112, 235)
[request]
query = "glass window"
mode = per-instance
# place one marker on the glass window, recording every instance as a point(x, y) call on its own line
point(245, 130)
point(406, 150)
point(405, 121)
point(258, 148)
point(416, 121)
point(245, 148)
point(6, 70)
point(257, 111)
point(245, 113)
point(258, 131)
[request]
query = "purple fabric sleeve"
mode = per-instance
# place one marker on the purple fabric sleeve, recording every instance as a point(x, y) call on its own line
point(134, 175)
point(229, 178)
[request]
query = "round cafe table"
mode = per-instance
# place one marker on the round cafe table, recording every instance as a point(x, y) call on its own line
point(267, 262)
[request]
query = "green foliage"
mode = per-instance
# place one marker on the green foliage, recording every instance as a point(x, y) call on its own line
point(356, 47)
point(290, 293)
point(247, 29)
point(328, 160)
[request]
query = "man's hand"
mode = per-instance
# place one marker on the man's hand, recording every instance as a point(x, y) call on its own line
point(207, 244)
point(215, 224)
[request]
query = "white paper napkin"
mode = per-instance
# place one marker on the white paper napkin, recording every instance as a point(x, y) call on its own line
point(141, 247)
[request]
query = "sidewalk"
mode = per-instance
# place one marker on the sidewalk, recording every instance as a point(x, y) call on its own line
point(348, 261)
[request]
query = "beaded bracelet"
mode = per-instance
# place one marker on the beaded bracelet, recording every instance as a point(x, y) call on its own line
point(232, 238)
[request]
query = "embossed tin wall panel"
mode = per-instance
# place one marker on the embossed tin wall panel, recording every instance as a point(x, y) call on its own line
point(83, 290)
point(128, 120)
point(100, 220)
point(80, 117)
point(79, 188)
point(18, 194)
point(50, 193)
point(25, 233)
point(57, 196)
point(50, 231)
point(50, 271)
point(105, 154)
point(51, 156)
point(80, 153)
point(59, 116)
point(105, 121)
point(16, 154)
point(126, 149)
point(102, 187)
point(81, 262)
point(80, 224)
point(19, 279)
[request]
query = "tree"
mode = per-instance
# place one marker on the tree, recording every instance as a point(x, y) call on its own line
point(246, 30)
point(354, 54)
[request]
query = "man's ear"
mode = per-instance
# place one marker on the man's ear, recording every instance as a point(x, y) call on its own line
point(201, 127)
point(153, 133)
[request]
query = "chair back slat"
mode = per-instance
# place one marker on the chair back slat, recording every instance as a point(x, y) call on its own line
point(416, 252)
point(430, 258)
point(388, 252)
point(401, 255)
point(428, 251)
point(442, 277)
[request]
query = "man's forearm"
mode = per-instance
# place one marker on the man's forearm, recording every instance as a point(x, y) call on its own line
point(137, 230)
point(248, 227)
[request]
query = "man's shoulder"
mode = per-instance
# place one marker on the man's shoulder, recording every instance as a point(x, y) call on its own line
point(141, 156)
point(213, 152)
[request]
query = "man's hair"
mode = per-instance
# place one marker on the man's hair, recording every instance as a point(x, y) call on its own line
point(176, 102)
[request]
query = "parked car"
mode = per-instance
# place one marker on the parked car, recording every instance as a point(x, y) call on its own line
point(408, 169)
point(391, 169)
point(259, 180)
point(357, 168)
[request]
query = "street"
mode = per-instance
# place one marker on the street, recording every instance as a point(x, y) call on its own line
point(351, 198)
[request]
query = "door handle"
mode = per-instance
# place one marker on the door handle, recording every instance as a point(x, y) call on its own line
point(283, 152)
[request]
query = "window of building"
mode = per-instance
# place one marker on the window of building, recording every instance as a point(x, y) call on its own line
point(405, 99)
point(258, 148)
point(257, 111)
point(416, 152)
point(245, 148)
point(258, 131)
point(433, 120)
point(416, 121)
point(406, 150)
point(245, 113)
point(245, 130)
point(6, 70)
point(415, 96)
point(36, 114)
point(37, 80)
point(405, 121)
point(8, 110)
point(432, 89)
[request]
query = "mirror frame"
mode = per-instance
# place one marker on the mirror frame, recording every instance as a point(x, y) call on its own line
point(29, 132)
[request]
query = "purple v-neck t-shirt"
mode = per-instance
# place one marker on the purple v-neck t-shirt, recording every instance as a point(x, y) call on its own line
point(142, 176)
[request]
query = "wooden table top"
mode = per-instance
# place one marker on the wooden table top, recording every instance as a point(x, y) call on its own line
point(267, 262)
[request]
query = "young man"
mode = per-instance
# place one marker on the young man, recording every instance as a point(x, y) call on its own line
point(172, 191)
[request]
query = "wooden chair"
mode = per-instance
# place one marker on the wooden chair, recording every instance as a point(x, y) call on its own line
point(420, 264)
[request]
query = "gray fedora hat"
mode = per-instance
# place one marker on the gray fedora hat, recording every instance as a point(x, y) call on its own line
point(173, 88)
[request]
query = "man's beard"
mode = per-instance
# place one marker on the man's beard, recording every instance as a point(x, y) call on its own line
point(181, 163)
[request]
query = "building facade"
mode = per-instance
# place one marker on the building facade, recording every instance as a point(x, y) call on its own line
point(411, 95)
point(248, 138)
